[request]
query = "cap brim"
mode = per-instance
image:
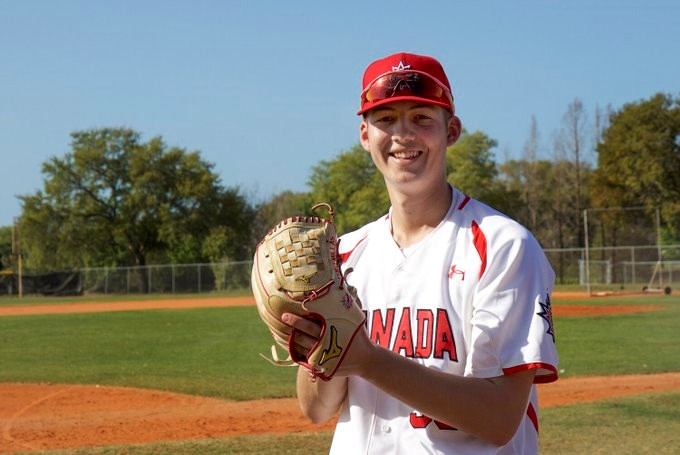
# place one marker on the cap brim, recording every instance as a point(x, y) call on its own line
point(368, 105)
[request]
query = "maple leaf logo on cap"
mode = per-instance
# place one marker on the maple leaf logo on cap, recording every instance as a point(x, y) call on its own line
point(401, 67)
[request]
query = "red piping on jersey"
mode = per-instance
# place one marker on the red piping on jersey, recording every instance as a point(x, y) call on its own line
point(479, 239)
point(464, 203)
point(345, 256)
point(531, 413)
point(538, 379)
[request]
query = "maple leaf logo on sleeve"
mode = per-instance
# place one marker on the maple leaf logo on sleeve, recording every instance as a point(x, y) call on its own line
point(546, 314)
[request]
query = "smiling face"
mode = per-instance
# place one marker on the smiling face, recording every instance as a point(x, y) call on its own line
point(407, 141)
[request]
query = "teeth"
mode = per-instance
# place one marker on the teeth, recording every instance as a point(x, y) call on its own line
point(405, 155)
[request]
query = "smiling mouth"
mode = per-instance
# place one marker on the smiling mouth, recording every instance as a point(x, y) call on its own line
point(409, 155)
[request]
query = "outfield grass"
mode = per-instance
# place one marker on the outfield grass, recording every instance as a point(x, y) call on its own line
point(647, 342)
point(643, 424)
point(209, 351)
point(288, 444)
point(215, 351)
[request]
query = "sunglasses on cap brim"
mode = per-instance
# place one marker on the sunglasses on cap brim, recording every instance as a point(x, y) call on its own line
point(411, 83)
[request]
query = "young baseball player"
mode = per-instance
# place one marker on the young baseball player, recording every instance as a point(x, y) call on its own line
point(457, 296)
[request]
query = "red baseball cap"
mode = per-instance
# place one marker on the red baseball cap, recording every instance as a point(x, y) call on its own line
point(405, 77)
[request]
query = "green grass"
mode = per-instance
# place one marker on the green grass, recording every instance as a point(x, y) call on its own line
point(215, 351)
point(620, 344)
point(288, 444)
point(643, 424)
point(210, 351)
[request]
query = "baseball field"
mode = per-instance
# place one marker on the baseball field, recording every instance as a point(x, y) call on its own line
point(123, 375)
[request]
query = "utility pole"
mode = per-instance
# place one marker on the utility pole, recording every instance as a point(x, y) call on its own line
point(16, 252)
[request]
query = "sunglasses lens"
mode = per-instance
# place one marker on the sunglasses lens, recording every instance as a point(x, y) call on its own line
point(405, 84)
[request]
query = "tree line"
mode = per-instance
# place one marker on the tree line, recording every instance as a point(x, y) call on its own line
point(115, 200)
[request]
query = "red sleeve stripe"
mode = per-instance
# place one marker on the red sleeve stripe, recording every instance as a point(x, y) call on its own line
point(548, 373)
point(344, 257)
point(479, 239)
point(533, 416)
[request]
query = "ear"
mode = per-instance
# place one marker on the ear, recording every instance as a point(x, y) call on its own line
point(453, 129)
point(363, 135)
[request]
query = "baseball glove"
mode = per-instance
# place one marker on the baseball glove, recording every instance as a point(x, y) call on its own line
point(296, 269)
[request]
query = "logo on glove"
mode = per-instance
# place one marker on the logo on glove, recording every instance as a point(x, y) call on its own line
point(306, 278)
point(333, 350)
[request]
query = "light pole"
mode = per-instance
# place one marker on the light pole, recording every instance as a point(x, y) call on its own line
point(16, 252)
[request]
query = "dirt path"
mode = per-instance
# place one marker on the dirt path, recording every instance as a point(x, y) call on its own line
point(36, 417)
point(132, 305)
point(101, 307)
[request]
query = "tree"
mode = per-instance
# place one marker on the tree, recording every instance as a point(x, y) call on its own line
point(531, 185)
point(471, 168)
point(277, 208)
point(353, 186)
point(531, 178)
point(115, 200)
point(639, 159)
point(5, 247)
point(573, 146)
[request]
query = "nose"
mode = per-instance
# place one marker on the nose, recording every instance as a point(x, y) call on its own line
point(402, 131)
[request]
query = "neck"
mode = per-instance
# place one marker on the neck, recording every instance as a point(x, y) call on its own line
point(413, 217)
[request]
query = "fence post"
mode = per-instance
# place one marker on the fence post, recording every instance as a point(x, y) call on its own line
point(199, 278)
point(670, 275)
point(632, 258)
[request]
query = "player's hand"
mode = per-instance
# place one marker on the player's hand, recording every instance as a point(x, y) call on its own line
point(307, 331)
point(356, 359)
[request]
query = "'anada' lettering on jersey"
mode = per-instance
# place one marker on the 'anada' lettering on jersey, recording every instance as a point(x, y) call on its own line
point(433, 337)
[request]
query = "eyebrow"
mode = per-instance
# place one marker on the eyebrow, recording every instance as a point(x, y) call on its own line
point(387, 107)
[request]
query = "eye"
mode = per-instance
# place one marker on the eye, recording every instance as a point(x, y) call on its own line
point(384, 118)
point(423, 118)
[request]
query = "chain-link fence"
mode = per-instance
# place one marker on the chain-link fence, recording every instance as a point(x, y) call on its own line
point(168, 279)
point(150, 279)
point(630, 267)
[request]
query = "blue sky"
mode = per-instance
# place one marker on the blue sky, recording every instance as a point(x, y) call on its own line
point(277, 82)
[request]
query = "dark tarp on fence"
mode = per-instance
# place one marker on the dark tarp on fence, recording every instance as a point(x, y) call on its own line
point(56, 283)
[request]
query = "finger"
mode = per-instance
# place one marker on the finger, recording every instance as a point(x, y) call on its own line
point(303, 341)
point(301, 324)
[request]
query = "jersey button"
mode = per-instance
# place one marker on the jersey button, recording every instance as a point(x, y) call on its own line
point(386, 428)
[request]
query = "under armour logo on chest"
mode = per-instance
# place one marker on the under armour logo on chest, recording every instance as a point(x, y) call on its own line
point(453, 272)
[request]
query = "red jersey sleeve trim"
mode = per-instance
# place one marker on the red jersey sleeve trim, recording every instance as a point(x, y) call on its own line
point(479, 240)
point(345, 256)
point(546, 373)
point(533, 416)
point(464, 203)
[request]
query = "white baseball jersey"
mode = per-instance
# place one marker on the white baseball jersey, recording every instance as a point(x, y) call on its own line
point(470, 299)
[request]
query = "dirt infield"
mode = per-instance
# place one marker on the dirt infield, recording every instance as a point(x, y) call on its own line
point(36, 417)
